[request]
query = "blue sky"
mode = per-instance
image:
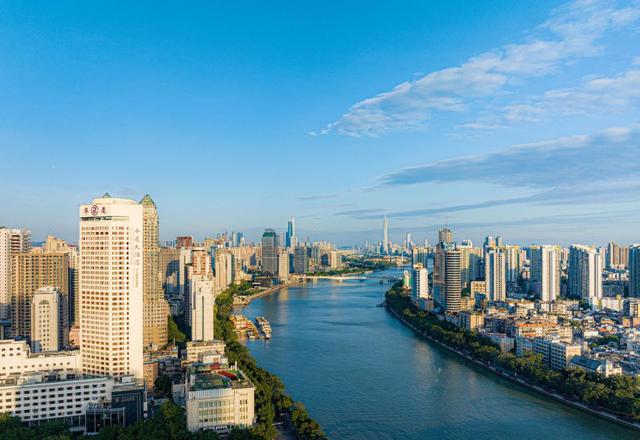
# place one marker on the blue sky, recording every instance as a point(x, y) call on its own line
point(511, 118)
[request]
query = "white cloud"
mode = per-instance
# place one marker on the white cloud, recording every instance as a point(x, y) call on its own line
point(572, 32)
point(595, 96)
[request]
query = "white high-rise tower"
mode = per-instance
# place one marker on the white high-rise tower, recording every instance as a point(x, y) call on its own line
point(111, 287)
point(385, 235)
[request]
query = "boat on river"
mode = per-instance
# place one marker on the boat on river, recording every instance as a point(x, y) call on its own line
point(264, 326)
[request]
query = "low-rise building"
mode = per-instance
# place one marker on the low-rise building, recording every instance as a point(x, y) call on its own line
point(196, 349)
point(604, 367)
point(16, 359)
point(556, 354)
point(471, 321)
point(38, 397)
point(218, 399)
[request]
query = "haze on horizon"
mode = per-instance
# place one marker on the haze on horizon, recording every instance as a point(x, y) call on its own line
point(514, 119)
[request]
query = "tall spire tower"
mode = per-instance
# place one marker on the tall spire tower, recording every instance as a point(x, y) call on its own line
point(385, 235)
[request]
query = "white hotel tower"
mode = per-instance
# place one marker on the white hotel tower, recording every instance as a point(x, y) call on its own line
point(111, 287)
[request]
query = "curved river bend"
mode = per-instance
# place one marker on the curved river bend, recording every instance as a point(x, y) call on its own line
point(364, 375)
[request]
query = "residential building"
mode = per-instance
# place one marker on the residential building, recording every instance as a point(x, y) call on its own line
point(31, 271)
point(634, 271)
point(452, 280)
point(471, 321)
point(283, 266)
point(495, 276)
point(419, 283)
point(545, 272)
point(12, 241)
point(156, 308)
point(48, 327)
point(585, 272)
point(202, 307)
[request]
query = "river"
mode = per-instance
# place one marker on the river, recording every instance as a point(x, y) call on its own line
point(364, 375)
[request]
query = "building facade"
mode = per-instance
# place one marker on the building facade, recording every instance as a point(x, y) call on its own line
point(156, 308)
point(11, 241)
point(48, 326)
point(111, 287)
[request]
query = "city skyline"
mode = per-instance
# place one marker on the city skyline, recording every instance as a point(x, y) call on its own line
point(521, 118)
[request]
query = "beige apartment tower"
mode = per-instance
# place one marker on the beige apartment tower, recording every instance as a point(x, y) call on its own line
point(111, 287)
point(48, 326)
point(156, 308)
point(11, 242)
point(31, 271)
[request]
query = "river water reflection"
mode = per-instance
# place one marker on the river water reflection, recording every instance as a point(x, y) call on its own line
point(363, 375)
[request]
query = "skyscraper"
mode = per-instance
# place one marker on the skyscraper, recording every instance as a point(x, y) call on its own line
point(300, 260)
point(585, 272)
point(385, 236)
point(111, 287)
point(545, 271)
point(156, 308)
point(452, 280)
point(31, 271)
point(11, 241)
point(202, 311)
point(291, 234)
point(419, 283)
point(224, 268)
point(512, 255)
point(48, 326)
point(270, 252)
point(634, 271)
point(495, 276)
point(445, 236)
point(617, 256)
point(283, 266)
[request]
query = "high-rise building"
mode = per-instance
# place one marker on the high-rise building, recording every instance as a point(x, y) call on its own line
point(545, 271)
point(169, 268)
point(420, 255)
point(585, 272)
point(385, 236)
point(300, 260)
point(512, 255)
point(445, 236)
point(495, 276)
point(225, 269)
point(156, 308)
point(31, 271)
point(617, 256)
point(48, 326)
point(202, 307)
point(470, 263)
point(74, 285)
point(184, 242)
point(634, 271)
point(452, 280)
point(270, 252)
point(111, 287)
point(283, 266)
point(419, 283)
point(11, 241)
point(291, 234)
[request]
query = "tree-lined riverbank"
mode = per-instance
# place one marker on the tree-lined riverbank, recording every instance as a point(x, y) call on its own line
point(615, 398)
